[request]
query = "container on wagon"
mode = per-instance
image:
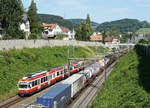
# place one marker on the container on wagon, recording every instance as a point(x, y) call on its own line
point(77, 83)
point(56, 97)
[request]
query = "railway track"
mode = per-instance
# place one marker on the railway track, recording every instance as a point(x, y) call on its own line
point(11, 102)
point(87, 95)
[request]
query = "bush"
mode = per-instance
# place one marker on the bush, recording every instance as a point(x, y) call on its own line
point(60, 36)
point(128, 84)
point(33, 36)
point(13, 32)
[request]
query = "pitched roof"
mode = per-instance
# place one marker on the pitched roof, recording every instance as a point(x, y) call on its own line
point(96, 37)
point(110, 38)
point(50, 26)
point(65, 30)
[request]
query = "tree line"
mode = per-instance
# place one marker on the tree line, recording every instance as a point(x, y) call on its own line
point(11, 18)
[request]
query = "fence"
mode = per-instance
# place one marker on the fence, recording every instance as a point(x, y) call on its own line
point(19, 44)
point(145, 48)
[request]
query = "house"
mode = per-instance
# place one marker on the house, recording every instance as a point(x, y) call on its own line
point(70, 35)
point(112, 39)
point(96, 37)
point(25, 26)
point(51, 30)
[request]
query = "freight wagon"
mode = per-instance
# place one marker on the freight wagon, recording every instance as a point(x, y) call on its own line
point(56, 97)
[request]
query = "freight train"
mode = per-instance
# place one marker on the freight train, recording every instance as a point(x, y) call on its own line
point(34, 82)
point(62, 93)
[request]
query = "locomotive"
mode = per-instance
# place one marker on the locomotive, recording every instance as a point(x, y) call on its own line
point(35, 82)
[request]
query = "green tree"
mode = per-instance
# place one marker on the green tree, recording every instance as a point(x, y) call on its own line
point(88, 27)
point(11, 12)
point(84, 30)
point(113, 32)
point(35, 24)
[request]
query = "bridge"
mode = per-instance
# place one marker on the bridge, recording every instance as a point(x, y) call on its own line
point(118, 45)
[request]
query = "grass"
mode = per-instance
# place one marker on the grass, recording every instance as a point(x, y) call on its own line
point(128, 85)
point(14, 64)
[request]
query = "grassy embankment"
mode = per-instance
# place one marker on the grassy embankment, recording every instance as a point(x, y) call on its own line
point(128, 86)
point(14, 64)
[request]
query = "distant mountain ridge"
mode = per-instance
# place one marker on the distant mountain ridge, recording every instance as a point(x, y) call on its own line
point(78, 21)
point(51, 19)
point(124, 25)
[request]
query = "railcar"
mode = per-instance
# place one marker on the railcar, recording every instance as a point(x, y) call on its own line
point(34, 82)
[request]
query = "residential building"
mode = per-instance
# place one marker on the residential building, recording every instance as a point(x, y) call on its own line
point(70, 35)
point(112, 39)
point(51, 30)
point(96, 37)
point(25, 26)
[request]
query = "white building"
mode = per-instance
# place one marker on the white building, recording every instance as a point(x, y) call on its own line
point(51, 30)
point(25, 26)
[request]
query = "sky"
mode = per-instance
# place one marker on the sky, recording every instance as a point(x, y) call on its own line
point(99, 10)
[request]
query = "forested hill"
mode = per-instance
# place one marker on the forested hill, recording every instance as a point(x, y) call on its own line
point(124, 25)
point(51, 19)
point(78, 21)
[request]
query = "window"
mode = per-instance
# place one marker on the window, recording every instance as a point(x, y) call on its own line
point(46, 32)
point(57, 73)
point(42, 80)
point(35, 82)
point(32, 83)
point(65, 70)
point(71, 68)
point(22, 86)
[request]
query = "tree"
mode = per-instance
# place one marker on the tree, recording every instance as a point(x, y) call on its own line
point(84, 30)
point(113, 32)
point(88, 27)
point(35, 24)
point(11, 12)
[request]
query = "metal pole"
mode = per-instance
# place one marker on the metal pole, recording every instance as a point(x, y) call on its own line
point(73, 50)
point(104, 66)
point(68, 62)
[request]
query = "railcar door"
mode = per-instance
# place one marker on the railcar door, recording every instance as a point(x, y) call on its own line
point(39, 82)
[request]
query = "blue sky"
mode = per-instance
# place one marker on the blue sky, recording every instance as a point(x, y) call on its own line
point(99, 10)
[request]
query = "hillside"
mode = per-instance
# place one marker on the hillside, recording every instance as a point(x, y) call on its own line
point(124, 25)
point(14, 64)
point(128, 85)
point(50, 19)
point(78, 21)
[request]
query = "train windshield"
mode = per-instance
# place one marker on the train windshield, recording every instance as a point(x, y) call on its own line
point(22, 86)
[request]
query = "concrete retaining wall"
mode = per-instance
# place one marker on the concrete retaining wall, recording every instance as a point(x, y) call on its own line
point(19, 44)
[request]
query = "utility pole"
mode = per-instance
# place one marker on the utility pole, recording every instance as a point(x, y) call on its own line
point(104, 66)
point(68, 62)
point(73, 50)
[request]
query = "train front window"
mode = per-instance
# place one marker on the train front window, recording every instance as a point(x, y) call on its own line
point(22, 86)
